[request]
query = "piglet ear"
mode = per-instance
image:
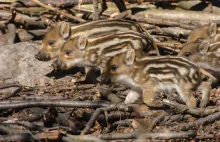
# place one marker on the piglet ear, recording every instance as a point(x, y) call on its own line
point(212, 29)
point(64, 29)
point(82, 42)
point(204, 47)
point(130, 57)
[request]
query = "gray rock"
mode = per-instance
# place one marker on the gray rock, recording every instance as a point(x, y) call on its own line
point(17, 63)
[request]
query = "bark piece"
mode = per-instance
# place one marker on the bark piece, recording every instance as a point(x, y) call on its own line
point(143, 136)
point(52, 103)
point(26, 35)
point(22, 19)
point(59, 12)
point(9, 37)
point(180, 15)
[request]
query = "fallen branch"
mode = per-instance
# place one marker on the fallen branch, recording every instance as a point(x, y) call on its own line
point(121, 123)
point(168, 22)
point(119, 136)
point(172, 45)
point(25, 35)
point(67, 86)
point(90, 11)
point(174, 31)
point(194, 111)
point(205, 136)
point(197, 4)
point(116, 116)
point(9, 94)
point(159, 119)
point(198, 17)
point(55, 3)
point(49, 135)
point(169, 135)
point(9, 130)
point(11, 101)
point(202, 121)
point(159, 135)
point(98, 111)
point(96, 15)
point(17, 137)
point(82, 138)
point(2, 86)
point(26, 124)
point(177, 117)
point(123, 15)
point(9, 90)
point(59, 12)
point(52, 103)
point(22, 19)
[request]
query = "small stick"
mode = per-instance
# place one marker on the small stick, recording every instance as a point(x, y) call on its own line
point(90, 11)
point(52, 103)
point(194, 111)
point(172, 45)
point(82, 138)
point(159, 135)
point(17, 137)
point(10, 85)
point(96, 10)
point(58, 11)
point(202, 121)
point(159, 119)
point(98, 111)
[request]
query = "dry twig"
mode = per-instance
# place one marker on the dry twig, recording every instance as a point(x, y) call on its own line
point(194, 111)
point(98, 111)
point(60, 12)
point(141, 136)
point(82, 138)
point(52, 103)
point(202, 121)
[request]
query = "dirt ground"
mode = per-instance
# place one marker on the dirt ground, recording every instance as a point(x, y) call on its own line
point(65, 121)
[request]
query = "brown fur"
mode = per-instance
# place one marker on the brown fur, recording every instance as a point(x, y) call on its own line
point(53, 42)
point(63, 31)
point(96, 52)
point(205, 55)
point(149, 76)
point(207, 32)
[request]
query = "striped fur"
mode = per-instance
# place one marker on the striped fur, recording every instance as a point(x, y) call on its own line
point(151, 75)
point(99, 50)
point(209, 32)
point(55, 38)
point(99, 28)
point(204, 54)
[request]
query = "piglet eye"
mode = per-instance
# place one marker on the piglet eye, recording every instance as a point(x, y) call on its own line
point(51, 42)
point(114, 68)
point(187, 54)
point(68, 52)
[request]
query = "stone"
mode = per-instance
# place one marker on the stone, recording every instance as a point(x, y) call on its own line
point(18, 64)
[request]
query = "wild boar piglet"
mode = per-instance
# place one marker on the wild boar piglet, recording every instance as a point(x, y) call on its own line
point(204, 54)
point(55, 38)
point(83, 52)
point(209, 32)
point(149, 76)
